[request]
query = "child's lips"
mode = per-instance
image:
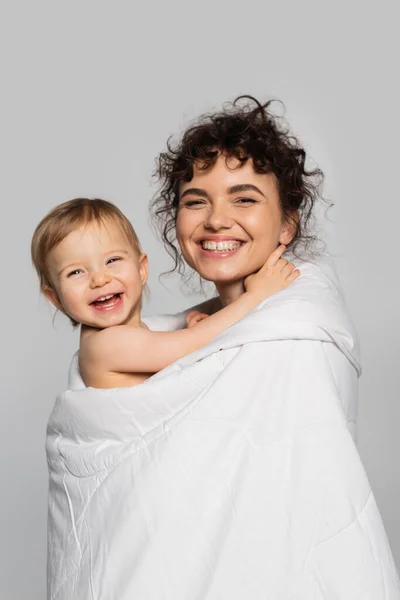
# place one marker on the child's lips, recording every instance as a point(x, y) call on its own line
point(109, 304)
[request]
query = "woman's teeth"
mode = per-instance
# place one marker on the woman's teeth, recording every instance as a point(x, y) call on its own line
point(220, 246)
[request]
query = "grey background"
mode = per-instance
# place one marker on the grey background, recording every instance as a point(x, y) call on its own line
point(90, 91)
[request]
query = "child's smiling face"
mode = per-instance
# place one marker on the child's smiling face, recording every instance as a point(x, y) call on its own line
point(97, 276)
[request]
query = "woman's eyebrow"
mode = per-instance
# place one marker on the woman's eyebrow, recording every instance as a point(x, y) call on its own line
point(245, 187)
point(195, 192)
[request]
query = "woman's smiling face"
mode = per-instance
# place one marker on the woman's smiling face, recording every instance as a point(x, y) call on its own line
point(229, 220)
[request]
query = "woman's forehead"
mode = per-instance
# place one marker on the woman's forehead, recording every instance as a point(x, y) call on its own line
point(227, 173)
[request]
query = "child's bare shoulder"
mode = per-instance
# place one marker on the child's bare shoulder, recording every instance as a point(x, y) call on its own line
point(95, 349)
point(91, 342)
point(96, 345)
point(100, 343)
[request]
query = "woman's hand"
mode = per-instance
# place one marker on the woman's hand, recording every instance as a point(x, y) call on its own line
point(275, 275)
point(194, 317)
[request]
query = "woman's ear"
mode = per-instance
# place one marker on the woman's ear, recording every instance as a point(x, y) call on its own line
point(143, 268)
point(52, 297)
point(289, 228)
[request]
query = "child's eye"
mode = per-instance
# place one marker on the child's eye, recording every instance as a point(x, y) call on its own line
point(113, 259)
point(75, 272)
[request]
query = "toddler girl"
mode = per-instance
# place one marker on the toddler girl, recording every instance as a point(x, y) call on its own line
point(91, 267)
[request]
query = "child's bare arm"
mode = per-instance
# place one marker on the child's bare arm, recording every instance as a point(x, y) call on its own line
point(127, 349)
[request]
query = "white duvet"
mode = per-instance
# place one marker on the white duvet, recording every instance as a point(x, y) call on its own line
point(231, 475)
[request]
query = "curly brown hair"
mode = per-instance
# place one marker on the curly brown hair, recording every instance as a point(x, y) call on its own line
point(244, 129)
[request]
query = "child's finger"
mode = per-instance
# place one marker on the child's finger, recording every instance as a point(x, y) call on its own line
point(294, 275)
point(201, 317)
point(288, 269)
point(194, 321)
point(275, 256)
point(190, 318)
point(192, 314)
point(282, 263)
point(194, 317)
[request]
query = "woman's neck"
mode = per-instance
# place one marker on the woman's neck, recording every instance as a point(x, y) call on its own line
point(229, 292)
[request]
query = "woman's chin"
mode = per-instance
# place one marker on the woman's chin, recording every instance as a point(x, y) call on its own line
point(221, 277)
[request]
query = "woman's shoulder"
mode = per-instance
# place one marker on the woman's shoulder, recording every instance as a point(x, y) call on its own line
point(172, 322)
point(318, 276)
point(165, 322)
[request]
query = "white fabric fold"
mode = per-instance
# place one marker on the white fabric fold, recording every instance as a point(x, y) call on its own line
point(232, 474)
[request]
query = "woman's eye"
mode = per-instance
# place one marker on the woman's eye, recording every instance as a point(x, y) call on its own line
point(75, 272)
point(193, 203)
point(246, 201)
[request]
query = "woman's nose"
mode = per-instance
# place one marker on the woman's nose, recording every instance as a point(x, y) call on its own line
point(218, 218)
point(100, 278)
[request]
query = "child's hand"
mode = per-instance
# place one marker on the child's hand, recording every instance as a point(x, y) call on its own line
point(275, 275)
point(194, 317)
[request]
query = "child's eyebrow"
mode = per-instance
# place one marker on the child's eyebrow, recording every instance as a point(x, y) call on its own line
point(117, 251)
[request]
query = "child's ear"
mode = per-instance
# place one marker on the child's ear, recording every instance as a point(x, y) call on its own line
point(51, 295)
point(143, 268)
point(289, 228)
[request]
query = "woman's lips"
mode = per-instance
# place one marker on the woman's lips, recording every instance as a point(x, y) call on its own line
point(107, 305)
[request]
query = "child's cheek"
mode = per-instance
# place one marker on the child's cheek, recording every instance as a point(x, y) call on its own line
point(72, 301)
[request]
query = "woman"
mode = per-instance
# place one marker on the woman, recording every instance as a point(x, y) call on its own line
point(232, 473)
point(203, 193)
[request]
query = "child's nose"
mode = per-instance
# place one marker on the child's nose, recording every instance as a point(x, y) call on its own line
point(99, 278)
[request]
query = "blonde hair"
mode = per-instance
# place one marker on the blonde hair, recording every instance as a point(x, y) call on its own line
point(65, 218)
